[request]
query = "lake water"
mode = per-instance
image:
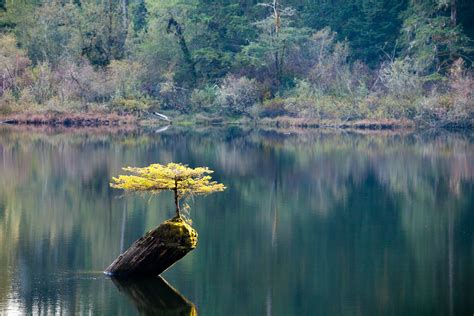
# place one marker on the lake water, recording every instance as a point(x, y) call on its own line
point(312, 223)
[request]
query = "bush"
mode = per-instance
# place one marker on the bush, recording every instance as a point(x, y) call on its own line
point(13, 64)
point(130, 105)
point(123, 78)
point(273, 108)
point(454, 109)
point(237, 95)
point(82, 82)
point(400, 79)
point(43, 84)
point(204, 99)
point(462, 93)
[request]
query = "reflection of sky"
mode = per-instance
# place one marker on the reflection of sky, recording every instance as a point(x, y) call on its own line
point(333, 223)
point(13, 306)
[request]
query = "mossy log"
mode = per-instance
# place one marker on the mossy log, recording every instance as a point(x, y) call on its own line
point(154, 296)
point(155, 252)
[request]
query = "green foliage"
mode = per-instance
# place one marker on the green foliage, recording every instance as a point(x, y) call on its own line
point(176, 177)
point(430, 39)
point(277, 37)
point(13, 64)
point(323, 59)
point(204, 99)
point(139, 17)
point(371, 27)
point(401, 79)
point(123, 105)
point(124, 78)
point(237, 95)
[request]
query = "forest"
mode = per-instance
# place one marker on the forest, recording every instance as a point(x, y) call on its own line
point(320, 62)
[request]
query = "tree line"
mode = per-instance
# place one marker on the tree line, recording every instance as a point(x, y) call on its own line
point(322, 59)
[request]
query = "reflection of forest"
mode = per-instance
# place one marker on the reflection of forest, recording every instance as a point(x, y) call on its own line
point(380, 209)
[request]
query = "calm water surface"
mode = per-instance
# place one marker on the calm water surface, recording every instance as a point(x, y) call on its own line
point(312, 223)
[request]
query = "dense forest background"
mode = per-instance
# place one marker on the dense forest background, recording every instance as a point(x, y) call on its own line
point(315, 59)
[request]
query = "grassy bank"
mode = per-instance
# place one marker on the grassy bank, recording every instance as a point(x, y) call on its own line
point(133, 120)
point(69, 119)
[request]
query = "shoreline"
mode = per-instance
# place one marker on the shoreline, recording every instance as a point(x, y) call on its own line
point(74, 119)
point(114, 120)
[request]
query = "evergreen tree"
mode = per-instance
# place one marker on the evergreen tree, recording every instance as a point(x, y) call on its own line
point(430, 38)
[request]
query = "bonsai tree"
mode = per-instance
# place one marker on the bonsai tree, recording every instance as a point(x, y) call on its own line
point(161, 247)
point(176, 177)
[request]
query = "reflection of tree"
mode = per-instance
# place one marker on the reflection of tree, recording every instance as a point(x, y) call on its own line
point(155, 297)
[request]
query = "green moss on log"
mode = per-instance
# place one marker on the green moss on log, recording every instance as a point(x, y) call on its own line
point(177, 233)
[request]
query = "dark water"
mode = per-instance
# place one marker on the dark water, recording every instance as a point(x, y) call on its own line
point(313, 223)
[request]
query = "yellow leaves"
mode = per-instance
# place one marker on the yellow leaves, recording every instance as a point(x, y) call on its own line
point(173, 176)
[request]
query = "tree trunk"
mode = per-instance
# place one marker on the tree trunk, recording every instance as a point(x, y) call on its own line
point(109, 30)
point(155, 252)
point(177, 30)
point(125, 15)
point(454, 12)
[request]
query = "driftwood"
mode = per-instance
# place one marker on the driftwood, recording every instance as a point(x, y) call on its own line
point(155, 297)
point(162, 117)
point(155, 252)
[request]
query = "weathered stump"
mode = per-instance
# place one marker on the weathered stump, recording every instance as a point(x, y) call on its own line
point(154, 296)
point(155, 252)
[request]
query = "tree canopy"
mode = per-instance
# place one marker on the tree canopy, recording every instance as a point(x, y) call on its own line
point(181, 179)
point(337, 60)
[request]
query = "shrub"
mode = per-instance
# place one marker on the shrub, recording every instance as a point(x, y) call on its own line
point(7, 101)
point(43, 84)
point(13, 64)
point(82, 82)
point(205, 98)
point(123, 78)
point(400, 79)
point(462, 93)
point(237, 95)
point(130, 105)
point(273, 108)
point(454, 109)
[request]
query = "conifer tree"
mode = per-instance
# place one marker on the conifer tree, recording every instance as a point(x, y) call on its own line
point(182, 180)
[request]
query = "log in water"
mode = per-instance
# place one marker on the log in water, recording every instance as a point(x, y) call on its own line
point(155, 252)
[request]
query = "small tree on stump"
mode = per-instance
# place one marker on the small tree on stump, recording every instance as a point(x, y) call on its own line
point(163, 246)
point(176, 177)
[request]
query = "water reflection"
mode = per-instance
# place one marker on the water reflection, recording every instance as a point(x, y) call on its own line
point(315, 222)
point(155, 297)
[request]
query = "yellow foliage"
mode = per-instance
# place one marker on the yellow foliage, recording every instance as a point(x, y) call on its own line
point(185, 181)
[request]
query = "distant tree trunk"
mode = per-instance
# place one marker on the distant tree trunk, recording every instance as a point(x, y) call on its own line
point(277, 56)
point(109, 29)
point(454, 12)
point(125, 16)
point(175, 28)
